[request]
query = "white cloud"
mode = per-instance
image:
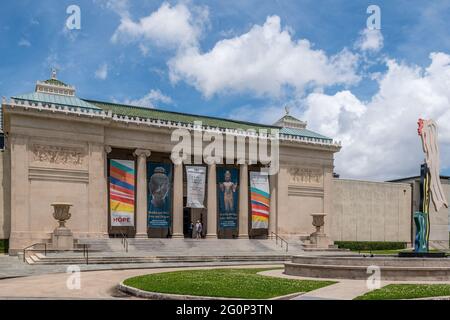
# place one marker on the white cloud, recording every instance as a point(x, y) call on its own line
point(370, 40)
point(144, 49)
point(150, 99)
point(170, 26)
point(263, 61)
point(102, 71)
point(379, 136)
point(24, 43)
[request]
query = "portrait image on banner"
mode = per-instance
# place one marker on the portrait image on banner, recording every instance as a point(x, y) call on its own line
point(196, 179)
point(228, 194)
point(259, 199)
point(121, 192)
point(159, 197)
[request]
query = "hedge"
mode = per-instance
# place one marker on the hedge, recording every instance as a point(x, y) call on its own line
point(4, 245)
point(370, 245)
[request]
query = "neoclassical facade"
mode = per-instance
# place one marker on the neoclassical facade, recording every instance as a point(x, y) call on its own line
point(58, 148)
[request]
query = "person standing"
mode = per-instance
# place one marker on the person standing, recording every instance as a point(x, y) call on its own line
point(191, 229)
point(198, 229)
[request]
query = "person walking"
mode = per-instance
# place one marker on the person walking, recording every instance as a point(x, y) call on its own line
point(198, 229)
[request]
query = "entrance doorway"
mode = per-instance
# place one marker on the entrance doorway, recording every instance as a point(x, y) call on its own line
point(192, 215)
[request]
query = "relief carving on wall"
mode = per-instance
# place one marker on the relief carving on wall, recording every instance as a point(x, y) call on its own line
point(305, 176)
point(58, 155)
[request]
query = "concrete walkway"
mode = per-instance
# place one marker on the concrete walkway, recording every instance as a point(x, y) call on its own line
point(13, 267)
point(342, 290)
point(102, 284)
point(94, 284)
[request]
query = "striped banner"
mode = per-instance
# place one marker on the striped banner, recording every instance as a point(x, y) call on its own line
point(121, 192)
point(260, 199)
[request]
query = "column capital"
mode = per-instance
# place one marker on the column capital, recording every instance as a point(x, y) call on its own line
point(142, 153)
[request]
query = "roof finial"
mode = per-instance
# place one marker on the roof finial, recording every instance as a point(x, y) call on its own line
point(53, 73)
point(287, 109)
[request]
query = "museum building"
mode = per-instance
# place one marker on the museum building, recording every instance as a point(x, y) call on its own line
point(112, 163)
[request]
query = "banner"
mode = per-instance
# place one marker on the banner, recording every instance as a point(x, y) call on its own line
point(121, 192)
point(159, 198)
point(228, 183)
point(196, 177)
point(259, 199)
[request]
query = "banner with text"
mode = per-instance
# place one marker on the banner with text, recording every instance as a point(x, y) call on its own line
point(159, 198)
point(196, 178)
point(228, 199)
point(121, 192)
point(260, 199)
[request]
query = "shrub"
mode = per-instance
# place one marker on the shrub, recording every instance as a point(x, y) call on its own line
point(370, 245)
point(4, 245)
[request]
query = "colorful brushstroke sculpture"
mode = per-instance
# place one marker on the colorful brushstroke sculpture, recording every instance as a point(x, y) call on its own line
point(430, 184)
point(121, 192)
point(260, 199)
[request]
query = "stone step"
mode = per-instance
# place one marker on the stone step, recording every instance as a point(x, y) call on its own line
point(130, 260)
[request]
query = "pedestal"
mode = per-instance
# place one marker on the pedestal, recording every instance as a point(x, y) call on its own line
point(62, 239)
point(319, 240)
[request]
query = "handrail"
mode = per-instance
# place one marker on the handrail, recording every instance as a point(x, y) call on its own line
point(281, 240)
point(124, 242)
point(31, 246)
point(86, 252)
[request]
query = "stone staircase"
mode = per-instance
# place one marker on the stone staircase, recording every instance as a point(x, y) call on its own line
point(140, 251)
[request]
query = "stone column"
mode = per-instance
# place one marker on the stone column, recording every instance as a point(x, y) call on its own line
point(243, 201)
point(108, 150)
point(212, 202)
point(273, 205)
point(141, 193)
point(178, 201)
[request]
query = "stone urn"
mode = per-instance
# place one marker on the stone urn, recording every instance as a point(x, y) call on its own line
point(62, 237)
point(61, 212)
point(318, 238)
point(319, 222)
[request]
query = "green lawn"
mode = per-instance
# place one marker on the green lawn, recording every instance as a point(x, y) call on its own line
point(407, 291)
point(230, 283)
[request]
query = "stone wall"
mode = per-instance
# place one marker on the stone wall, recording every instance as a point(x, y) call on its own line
point(370, 211)
point(5, 216)
point(55, 161)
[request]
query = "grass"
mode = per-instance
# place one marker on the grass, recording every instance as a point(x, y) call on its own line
point(407, 291)
point(4, 245)
point(229, 283)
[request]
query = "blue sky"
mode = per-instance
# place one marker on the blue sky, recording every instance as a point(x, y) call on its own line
point(247, 60)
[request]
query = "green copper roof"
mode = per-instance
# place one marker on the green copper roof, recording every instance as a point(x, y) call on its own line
point(134, 111)
point(156, 114)
point(303, 133)
point(56, 99)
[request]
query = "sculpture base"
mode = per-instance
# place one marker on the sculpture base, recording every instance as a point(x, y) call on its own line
point(319, 240)
point(62, 239)
point(421, 254)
